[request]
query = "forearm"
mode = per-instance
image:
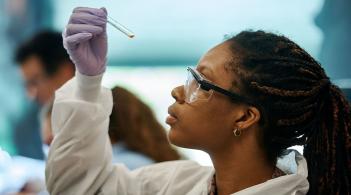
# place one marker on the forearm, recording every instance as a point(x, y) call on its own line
point(80, 156)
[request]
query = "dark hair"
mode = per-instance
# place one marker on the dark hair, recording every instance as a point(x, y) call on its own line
point(48, 47)
point(133, 123)
point(299, 105)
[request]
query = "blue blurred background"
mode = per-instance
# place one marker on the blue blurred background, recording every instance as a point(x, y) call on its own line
point(170, 35)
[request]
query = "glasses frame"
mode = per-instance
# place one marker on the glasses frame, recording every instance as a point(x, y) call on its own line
point(207, 86)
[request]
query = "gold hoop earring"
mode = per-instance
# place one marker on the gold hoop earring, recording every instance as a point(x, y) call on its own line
point(237, 132)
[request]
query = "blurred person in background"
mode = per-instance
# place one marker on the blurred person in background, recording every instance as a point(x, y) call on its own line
point(44, 64)
point(20, 19)
point(137, 138)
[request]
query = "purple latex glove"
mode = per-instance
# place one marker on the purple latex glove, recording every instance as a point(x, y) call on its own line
point(85, 40)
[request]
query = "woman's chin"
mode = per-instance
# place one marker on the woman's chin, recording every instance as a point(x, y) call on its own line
point(172, 137)
point(176, 137)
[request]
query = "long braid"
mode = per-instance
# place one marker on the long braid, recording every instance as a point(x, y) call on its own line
point(333, 144)
point(299, 104)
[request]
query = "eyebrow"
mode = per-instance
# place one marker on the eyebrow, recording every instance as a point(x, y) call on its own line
point(201, 69)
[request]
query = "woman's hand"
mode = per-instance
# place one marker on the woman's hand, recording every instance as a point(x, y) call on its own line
point(85, 40)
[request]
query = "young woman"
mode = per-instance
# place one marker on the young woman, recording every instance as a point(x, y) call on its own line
point(248, 100)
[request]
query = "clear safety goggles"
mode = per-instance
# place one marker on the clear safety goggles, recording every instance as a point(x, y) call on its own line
point(192, 88)
point(198, 88)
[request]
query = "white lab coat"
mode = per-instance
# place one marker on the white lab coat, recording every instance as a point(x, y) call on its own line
point(79, 161)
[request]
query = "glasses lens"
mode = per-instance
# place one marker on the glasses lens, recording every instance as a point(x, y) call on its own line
point(189, 88)
point(193, 91)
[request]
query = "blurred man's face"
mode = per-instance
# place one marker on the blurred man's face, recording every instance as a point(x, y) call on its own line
point(38, 85)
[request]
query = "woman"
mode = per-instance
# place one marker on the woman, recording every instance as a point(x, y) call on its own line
point(137, 138)
point(248, 100)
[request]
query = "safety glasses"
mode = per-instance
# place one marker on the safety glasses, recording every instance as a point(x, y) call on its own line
point(198, 88)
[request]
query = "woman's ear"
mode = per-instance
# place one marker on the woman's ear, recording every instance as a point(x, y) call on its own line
point(248, 116)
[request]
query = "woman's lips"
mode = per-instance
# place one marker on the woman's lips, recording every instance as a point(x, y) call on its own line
point(171, 119)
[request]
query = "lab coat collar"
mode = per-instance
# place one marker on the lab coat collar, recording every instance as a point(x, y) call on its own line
point(294, 183)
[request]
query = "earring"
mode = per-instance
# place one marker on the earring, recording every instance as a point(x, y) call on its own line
point(237, 132)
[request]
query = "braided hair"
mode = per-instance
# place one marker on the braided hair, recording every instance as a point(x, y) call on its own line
point(299, 106)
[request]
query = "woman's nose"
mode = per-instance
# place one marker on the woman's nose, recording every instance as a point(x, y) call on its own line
point(178, 94)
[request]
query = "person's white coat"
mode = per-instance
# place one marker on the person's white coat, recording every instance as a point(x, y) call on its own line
point(79, 161)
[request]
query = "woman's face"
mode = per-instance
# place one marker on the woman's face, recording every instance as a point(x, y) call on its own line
point(205, 124)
